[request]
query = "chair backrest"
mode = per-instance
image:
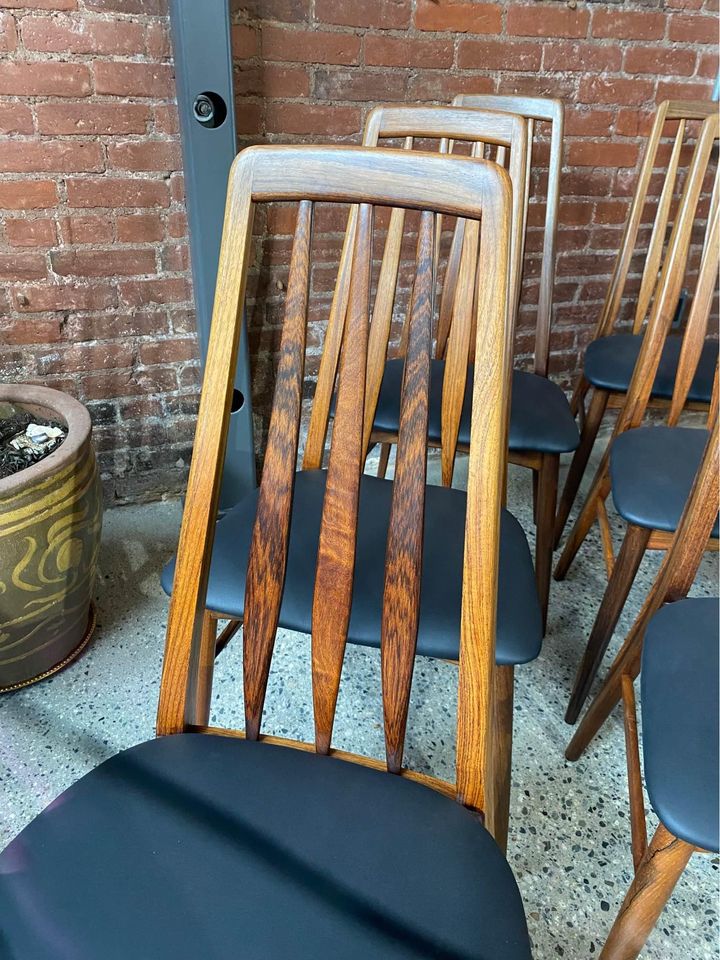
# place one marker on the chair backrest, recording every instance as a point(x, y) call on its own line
point(669, 113)
point(509, 134)
point(548, 110)
point(350, 175)
point(669, 284)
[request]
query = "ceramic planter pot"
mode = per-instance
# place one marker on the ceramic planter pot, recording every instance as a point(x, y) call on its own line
point(50, 521)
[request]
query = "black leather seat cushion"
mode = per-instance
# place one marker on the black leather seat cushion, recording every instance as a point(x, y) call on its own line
point(519, 630)
point(199, 847)
point(540, 418)
point(610, 361)
point(652, 471)
point(680, 706)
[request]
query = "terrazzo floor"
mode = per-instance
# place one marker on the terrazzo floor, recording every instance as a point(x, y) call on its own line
point(569, 832)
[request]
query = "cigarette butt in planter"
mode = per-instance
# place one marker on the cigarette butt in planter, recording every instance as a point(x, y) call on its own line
point(50, 523)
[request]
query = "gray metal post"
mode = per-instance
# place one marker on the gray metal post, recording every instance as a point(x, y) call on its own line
point(204, 81)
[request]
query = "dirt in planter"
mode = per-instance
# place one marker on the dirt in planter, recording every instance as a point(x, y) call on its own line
point(23, 441)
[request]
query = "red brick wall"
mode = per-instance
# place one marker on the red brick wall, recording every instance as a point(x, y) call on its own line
point(95, 293)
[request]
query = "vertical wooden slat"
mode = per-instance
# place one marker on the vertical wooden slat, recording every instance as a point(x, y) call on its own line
point(320, 414)
point(488, 452)
point(332, 596)
point(659, 231)
point(552, 213)
point(382, 318)
point(696, 328)
point(447, 299)
point(403, 559)
point(269, 545)
point(184, 656)
point(714, 397)
point(528, 177)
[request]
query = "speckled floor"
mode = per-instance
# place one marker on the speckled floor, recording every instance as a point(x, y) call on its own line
point(569, 832)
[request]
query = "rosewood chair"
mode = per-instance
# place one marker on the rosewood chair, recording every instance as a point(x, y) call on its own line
point(674, 645)
point(207, 842)
point(649, 469)
point(613, 352)
point(519, 626)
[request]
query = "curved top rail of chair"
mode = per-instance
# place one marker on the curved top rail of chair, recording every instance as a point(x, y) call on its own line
point(454, 123)
point(417, 181)
point(689, 109)
point(536, 108)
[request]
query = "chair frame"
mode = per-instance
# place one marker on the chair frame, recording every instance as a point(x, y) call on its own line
point(361, 177)
point(621, 572)
point(658, 865)
point(591, 417)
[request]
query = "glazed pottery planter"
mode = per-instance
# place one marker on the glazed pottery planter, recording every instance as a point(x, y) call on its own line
point(50, 521)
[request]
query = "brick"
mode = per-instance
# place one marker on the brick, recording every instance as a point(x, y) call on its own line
point(44, 79)
point(708, 65)
point(59, 296)
point(407, 52)
point(22, 266)
point(20, 331)
point(498, 55)
point(441, 86)
point(8, 33)
point(140, 228)
point(117, 192)
point(41, 4)
point(140, 293)
point(546, 20)
point(115, 262)
point(585, 153)
point(62, 156)
point(15, 118)
point(582, 121)
point(145, 155)
point(177, 224)
point(308, 119)
point(79, 358)
point(628, 25)
point(40, 232)
point(70, 35)
point(132, 79)
point(459, 17)
point(581, 57)
point(92, 118)
point(249, 118)
point(306, 46)
point(166, 119)
point(174, 258)
point(633, 123)
point(244, 40)
point(659, 60)
point(375, 14)
point(148, 8)
point(614, 90)
point(158, 44)
point(168, 351)
point(27, 194)
point(671, 90)
point(360, 84)
point(86, 229)
point(117, 325)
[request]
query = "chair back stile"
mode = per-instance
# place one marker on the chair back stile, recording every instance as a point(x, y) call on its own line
point(432, 184)
point(447, 125)
point(553, 112)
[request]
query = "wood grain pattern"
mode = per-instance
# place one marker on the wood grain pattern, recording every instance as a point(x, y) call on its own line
point(267, 559)
point(638, 825)
point(403, 558)
point(332, 596)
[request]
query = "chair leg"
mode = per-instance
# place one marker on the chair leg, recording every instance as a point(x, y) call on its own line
point(578, 395)
point(587, 517)
point(544, 522)
point(593, 419)
point(613, 601)
point(384, 457)
point(655, 879)
point(226, 636)
point(498, 813)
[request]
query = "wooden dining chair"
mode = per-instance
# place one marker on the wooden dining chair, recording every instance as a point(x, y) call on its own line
point(519, 625)
point(208, 842)
point(613, 352)
point(673, 644)
point(541, 423)
point(649, 469)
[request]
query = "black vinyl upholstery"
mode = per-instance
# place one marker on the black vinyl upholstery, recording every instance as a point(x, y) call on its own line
point(680, 707)
point(519, 625)
point(652, 470)
point(540, 418)
point(610, 361)
point(200, 847)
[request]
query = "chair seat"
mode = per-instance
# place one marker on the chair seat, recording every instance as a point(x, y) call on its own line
point(610, 361)
point(652, 471)
point(519, 631)
point(199, 846)
point(680, 705)
point(540, 418)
